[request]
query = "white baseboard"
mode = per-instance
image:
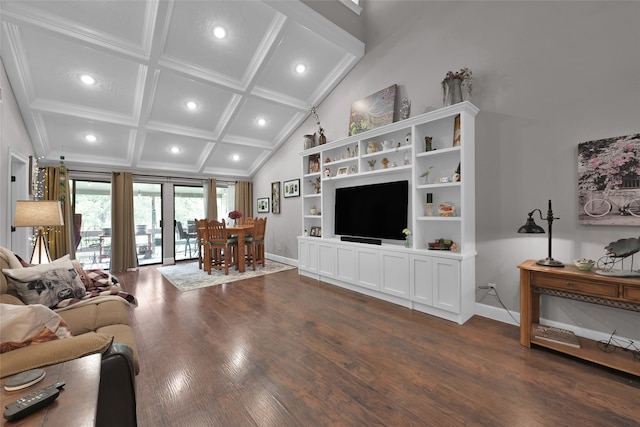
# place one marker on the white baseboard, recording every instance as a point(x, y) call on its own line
point(501, 315)
point(497, 313)
point(281, 259)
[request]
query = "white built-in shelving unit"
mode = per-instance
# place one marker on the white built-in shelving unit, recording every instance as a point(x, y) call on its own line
point(437, 282)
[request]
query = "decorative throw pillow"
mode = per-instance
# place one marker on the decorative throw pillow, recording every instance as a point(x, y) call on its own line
point(24, 325)
point(47, 284)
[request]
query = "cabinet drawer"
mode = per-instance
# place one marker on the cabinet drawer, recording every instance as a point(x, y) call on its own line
point(577, 286)
point(631, 294)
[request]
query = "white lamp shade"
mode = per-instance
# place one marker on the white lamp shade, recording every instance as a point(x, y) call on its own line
point(31, 213)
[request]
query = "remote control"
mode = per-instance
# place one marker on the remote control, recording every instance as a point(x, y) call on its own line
point(32, 402)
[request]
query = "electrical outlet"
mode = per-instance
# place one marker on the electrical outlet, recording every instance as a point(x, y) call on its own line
point(490, 287)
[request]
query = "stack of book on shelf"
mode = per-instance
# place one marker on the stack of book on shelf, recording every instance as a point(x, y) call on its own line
point(555, 335)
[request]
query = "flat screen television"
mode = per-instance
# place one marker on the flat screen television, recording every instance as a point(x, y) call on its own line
point(374, 211)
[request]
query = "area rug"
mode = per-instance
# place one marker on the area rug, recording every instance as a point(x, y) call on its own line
point(187, 276)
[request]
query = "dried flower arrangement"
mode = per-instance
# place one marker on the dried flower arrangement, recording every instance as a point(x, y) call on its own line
point(465, 75)
point(321, 137)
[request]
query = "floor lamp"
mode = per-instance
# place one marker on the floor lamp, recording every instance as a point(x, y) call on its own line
point(43, 213)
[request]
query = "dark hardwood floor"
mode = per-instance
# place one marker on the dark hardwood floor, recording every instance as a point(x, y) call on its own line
point(283, 350)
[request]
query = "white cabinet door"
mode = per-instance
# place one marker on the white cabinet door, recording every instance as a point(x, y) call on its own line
point(308, 256)
point(421, 279)
point(326, 259)
point(346, 264)
point(368, 262)
point(446, 284)
point(303, 254)
point(395, 273)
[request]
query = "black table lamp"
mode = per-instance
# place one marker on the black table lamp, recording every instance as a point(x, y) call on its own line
point(532, 228)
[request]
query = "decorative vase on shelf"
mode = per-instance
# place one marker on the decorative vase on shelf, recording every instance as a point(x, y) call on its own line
point(454, 91)
point(407, 243)
point(309, 141)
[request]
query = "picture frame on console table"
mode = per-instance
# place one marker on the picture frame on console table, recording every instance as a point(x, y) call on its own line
point(263, 205)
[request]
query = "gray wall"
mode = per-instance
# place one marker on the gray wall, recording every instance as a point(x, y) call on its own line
point(547, 76)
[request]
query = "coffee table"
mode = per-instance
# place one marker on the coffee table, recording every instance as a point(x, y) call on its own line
point(77, 403)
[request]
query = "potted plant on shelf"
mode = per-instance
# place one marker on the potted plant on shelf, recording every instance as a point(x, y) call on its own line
point(316, 184)
point(452, 86)
point(372, 163)
point(407, 235)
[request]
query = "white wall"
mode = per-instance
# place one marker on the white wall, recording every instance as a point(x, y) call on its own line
point(13, 139)
point(547, 76)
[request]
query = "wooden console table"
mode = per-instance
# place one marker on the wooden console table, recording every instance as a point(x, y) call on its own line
point(588, 286)
point(77, 404)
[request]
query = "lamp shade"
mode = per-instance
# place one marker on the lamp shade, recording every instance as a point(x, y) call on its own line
point(531, 227)
point(31, 213)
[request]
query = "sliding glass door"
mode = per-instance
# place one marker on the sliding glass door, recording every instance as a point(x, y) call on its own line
point(92, 202)
point(188, 205)
point(147, 214)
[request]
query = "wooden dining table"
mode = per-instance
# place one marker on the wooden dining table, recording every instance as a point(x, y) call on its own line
point(241, 231)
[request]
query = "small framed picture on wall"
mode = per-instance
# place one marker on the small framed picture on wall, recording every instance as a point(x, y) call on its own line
point(275, 197)
point(292, 188)
point(263, 205)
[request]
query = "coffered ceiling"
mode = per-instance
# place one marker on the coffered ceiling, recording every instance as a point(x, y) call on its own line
point(149, 59)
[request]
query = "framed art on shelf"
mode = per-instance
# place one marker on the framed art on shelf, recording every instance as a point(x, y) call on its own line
point(314, 163)
point(292, 188)
point(344, 170)
point(316, 232)
point(373, 111)
point(263, 205)
point(275, 197)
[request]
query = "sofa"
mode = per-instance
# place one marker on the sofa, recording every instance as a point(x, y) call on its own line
point(88, 324)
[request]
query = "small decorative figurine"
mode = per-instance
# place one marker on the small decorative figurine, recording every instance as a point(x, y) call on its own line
point(427, 143)
point(405, 109)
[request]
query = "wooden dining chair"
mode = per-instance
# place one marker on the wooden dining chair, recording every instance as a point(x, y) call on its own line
point(222, 249)
point(201, 229)
point(255, 243)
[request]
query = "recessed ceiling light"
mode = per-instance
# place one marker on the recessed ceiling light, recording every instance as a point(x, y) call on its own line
point(301, 68)
point(191, 105)
point(175, 150)
point(90, 138)
point(87, 79)
point(219, 32)
point(235, 157)
point(261, 121)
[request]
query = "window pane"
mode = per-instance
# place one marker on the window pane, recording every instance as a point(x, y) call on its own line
point(226, 201)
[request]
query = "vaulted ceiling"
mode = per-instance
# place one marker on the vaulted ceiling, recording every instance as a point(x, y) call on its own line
point(148, 60)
